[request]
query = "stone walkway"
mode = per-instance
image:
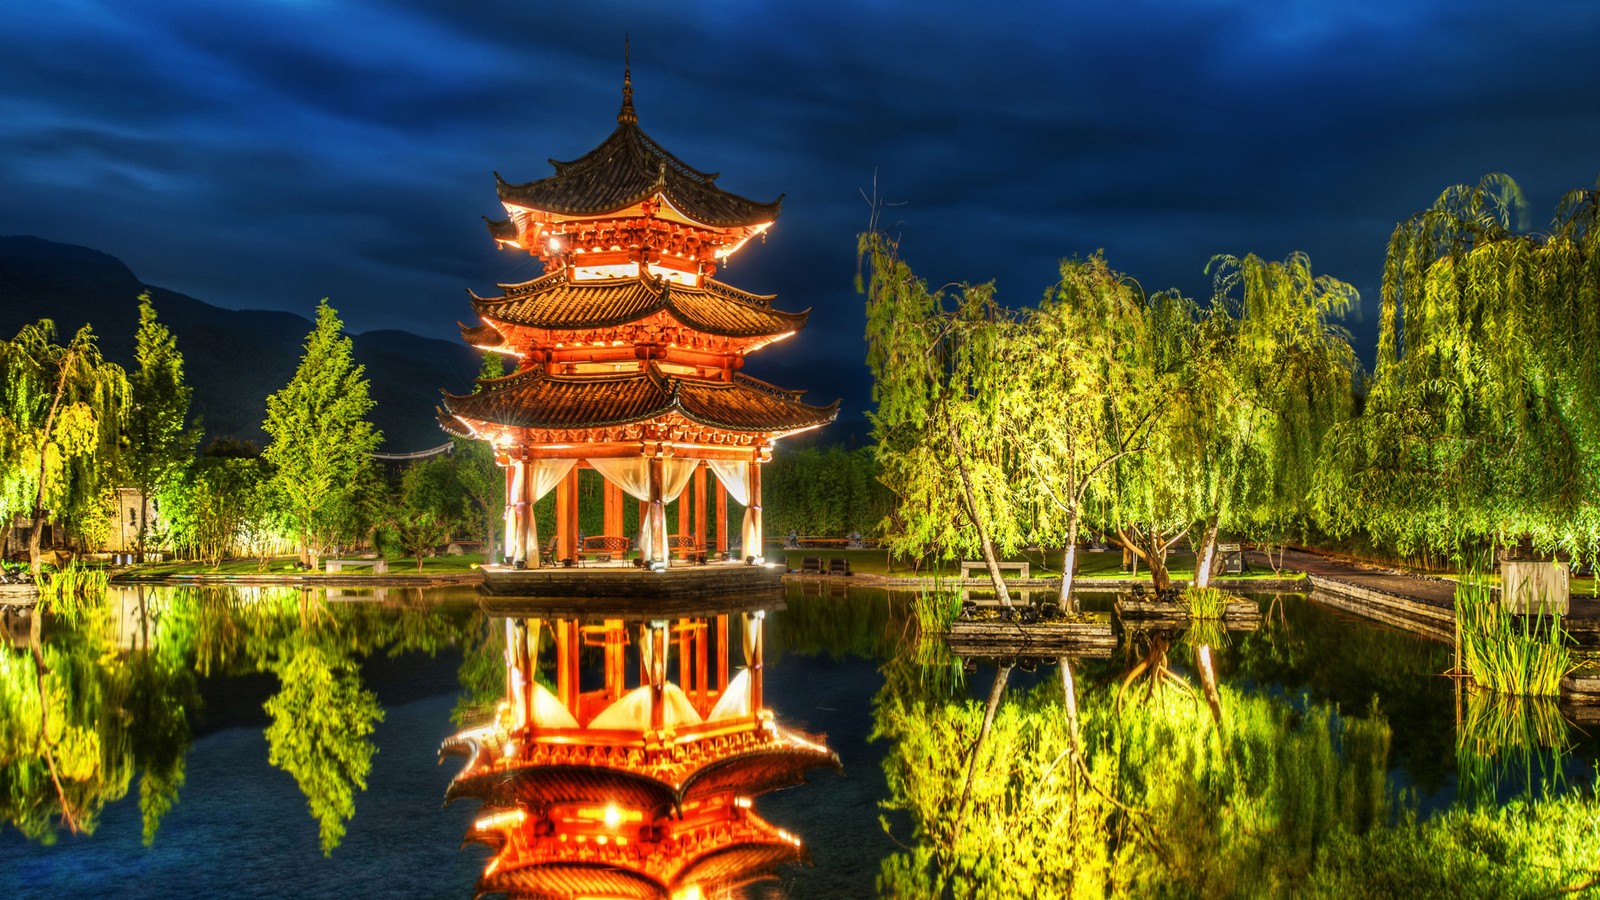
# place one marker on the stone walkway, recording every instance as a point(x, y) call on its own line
point(1434, 591)
point(1585, 613)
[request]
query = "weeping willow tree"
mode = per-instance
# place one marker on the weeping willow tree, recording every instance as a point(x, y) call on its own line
point(61, 408)
point(1269, 374)
point(1483, 419)
point(1148, 502)
point(1083, 396)
point(939, 366)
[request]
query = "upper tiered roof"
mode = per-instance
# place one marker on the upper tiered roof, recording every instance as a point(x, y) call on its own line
point(629, 168)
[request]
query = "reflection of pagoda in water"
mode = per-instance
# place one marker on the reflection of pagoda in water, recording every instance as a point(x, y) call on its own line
point(634, 776)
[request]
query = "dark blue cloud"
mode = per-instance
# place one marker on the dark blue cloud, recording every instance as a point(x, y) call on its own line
point(268, 154)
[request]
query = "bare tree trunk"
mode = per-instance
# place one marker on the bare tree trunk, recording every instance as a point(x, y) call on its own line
point(977, 521)
point(1208, 682)
point(995, 693)
point(35, 564)
point(488, 535)
point(1069, 697)
point(1069, 562)
point(1205, 559)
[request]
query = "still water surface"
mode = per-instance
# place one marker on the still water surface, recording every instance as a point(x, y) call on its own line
point(182, 680)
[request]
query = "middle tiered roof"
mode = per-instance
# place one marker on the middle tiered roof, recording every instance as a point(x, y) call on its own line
point(557, 309)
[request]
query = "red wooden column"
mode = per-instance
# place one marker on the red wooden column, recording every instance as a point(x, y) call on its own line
point(757, 536)
point(564, 499)
point(613, 509)
point(644, 520)
point(659, 538)
point(683, 512)
point(702, 538)
point(722, 518)
point(571, 524)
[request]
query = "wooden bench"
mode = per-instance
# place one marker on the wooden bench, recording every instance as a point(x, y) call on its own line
point(1021, 568)
point(811, 565)
point(603, 547)
point(687, 547)
point(1232, 558)
point(839, 566)
point(823, 542)
point(335, 566)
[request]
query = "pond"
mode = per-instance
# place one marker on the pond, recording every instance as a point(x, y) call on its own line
point(269, 742)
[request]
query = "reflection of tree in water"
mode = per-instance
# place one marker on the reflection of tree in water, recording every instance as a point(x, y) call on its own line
point(1305, 647)
point(322, 721)
point(77, 722)
point(111, 694)
point(1162, 798)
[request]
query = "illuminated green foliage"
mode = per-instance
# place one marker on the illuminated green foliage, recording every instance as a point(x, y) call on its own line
point(1483, 419)
point(939, 371)
point(480, 479)
point(158, 439)
point(321, 722)
point(61, 409)
point(322, 442)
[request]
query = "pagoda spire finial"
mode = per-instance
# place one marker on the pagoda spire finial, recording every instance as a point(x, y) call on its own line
point(627, 116)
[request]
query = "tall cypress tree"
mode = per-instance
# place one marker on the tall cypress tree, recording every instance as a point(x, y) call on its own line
point(158, 446)
point(321, 441)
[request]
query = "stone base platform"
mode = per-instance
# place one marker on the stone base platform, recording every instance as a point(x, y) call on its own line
point(1240, 614)
point(1085, 635)
point(682, 581)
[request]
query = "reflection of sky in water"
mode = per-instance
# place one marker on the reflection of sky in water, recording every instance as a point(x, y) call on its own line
point(241, 827)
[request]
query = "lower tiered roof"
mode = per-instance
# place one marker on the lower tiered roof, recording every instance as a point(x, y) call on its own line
point(535, 400)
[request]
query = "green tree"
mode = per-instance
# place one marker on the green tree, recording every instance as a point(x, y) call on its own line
point(1483, 418)
point(322, 441)
point(223, 504)
point(1146, 501)
point(937, 371)
point(1268, 378)
point(424, 507)
point(322, 720)
point(60, 415)
point(1082, 397)
point(479, 477)
point(158, 441)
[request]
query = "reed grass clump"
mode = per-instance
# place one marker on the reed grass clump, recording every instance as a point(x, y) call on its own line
point(1205, 602)
point(1509, 654)
point(69, 590)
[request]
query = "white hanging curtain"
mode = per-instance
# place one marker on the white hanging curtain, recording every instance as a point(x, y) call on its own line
point(547, 473)
point(735, 701)
point(675, 475)
point(735, 476)
point(632, 475)
point(514, 509)
point(753, 651)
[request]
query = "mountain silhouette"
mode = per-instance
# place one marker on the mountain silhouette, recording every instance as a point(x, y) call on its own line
point(233, 359)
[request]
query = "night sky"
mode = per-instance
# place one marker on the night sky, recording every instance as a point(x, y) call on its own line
point(266, 154)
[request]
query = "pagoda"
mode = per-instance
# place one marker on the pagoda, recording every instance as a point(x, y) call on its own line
point(642, 785)
point(628, 353)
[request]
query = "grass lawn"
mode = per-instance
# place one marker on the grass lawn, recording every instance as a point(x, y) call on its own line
point(285, 565)
point(1105, 564)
